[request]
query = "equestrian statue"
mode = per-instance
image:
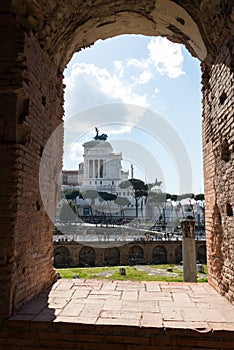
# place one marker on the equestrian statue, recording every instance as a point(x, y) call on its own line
point(102, 137)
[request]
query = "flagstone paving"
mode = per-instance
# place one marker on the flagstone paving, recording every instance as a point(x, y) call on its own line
point(131, 303)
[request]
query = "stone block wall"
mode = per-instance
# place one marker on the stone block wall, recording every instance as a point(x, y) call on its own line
point(169, 252)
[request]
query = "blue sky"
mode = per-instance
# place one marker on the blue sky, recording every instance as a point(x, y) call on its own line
point(145, 93)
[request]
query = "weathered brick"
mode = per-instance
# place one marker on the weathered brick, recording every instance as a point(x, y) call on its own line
point(37, 39)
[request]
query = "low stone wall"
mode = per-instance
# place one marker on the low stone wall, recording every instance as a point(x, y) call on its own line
point(46, 335)
point(67, 254)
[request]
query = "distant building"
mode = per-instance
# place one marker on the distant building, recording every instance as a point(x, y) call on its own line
point(102, 166)
point(101, 171)
point(81, 174)
point(70, 177)
point(73, 178)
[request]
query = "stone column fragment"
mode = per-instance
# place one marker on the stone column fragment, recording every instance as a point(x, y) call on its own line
point(189, 251)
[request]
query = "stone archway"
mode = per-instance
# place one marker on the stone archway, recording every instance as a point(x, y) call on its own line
point(135, 255)
point(61, 257)
point(37, 40)
point(112, 256)
point(159, 255)
point(87, 257)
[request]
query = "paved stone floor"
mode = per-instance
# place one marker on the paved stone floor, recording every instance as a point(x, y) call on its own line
point(145, 304)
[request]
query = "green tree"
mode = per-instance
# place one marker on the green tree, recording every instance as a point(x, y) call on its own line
point(91, 195)
point(72, 194)
point(156, 198)
point(68, 213)
point(174, 197)
point(199, 197)
point(107, 197)
point(188, 207)
point(185, 196)
point(138, 189)
point(122, 202)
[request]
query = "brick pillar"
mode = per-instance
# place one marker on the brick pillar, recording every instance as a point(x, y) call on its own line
point(31, 99)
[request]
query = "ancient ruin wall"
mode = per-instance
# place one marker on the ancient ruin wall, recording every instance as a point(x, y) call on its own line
point(31, 96)
point(8, 151)
point(218, 147)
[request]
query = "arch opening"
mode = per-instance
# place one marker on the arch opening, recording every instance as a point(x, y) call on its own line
point(159, 255)
point(87, 257)
point(135, 255)
point(37, 74)
point(61, 257)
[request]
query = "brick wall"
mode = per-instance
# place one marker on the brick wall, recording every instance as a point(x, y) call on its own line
point(218, 147)
point(30, 109)
point(11, 79)
point(41, 335)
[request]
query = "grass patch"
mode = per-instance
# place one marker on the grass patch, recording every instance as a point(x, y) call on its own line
point(172, 267)
point(205, 268)
point(132, 273)
point(83, 272)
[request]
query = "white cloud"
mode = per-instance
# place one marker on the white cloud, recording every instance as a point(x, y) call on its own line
point(143, 78)
point(111, 87)
point(88, 85)
point(119, 68)
point(74, 151)
point(112, 118)
point(142, 64)
point(166, 57)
